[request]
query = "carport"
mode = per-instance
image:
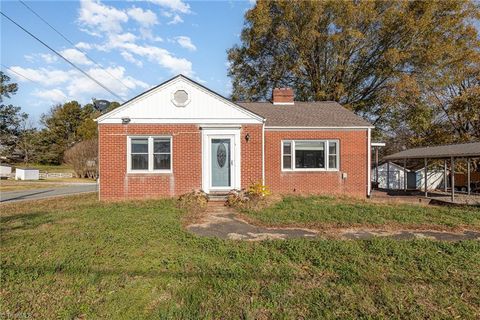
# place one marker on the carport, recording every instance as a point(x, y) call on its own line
point(448, 153)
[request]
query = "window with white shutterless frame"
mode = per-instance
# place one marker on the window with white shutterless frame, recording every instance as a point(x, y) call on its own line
point(310, 155)
point(149, 154)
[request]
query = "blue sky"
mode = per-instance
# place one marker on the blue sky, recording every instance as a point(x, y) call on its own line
point(139, 43)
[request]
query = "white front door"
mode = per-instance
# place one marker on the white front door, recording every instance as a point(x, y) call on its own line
point(221, 160)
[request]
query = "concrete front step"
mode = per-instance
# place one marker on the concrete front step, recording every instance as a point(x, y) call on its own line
point(217, 197)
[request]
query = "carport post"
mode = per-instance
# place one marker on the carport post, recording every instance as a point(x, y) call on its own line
point(452, 177)
point(468, 176)
point(445, 182)
point(376, 167)
point(405, 175)
point(388, 175)
point(426, 179)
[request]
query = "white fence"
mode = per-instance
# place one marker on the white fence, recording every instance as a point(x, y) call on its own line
point(55, 175)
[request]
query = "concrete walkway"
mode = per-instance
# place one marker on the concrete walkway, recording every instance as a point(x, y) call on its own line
point(48, 192)
point(222, 222)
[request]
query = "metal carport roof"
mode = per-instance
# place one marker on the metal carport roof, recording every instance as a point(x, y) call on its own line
point(462, 150)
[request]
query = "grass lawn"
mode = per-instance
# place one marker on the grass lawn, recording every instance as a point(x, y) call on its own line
point(323, 212)
point(46, 167)
point(78, 258)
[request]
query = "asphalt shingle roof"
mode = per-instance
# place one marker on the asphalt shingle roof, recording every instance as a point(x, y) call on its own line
point(446, 151)
point(306, 114)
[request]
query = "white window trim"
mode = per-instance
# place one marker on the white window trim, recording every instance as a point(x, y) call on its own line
point(150, 155)
point(327, 154)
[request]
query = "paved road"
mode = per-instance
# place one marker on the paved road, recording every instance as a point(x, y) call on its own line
point(35, 194)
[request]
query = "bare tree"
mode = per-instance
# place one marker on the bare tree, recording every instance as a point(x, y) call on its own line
point(83, 157)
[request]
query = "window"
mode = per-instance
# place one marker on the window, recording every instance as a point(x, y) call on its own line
point(310, 155)
point(332, 155)
point(140, 154)
point(287, 155)
point(180, 98)
point(161, 154)
point(149, 154)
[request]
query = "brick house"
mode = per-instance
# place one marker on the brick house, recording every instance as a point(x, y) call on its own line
point(180, 136)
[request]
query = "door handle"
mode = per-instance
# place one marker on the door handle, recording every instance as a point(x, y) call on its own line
point(231, 162)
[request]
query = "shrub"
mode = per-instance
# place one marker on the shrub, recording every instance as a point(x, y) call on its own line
point(254, 197)
point(83, 158)
point(194, 202)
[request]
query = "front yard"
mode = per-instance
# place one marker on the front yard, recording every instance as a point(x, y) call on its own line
point(324, 212)
point(78, 258)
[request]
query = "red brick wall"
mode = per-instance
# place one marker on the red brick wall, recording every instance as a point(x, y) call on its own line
point(353, 161)
point(115, 183)
point(251, 154)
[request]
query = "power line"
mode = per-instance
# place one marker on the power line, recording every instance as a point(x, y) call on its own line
point(71, 43)
point(61, 56)
point(19, 74)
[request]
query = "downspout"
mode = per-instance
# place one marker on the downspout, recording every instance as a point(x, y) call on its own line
point(98, 158)
point(263, 152)
point(369, 156)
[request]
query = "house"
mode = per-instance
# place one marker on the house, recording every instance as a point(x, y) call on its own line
point(180, 136)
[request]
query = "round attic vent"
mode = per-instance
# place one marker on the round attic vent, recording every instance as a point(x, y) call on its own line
point(181, 98)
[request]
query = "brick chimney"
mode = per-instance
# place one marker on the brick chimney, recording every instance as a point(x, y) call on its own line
point(283, 96)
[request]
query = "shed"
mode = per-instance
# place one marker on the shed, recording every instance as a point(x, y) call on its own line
point(27, 174)
point(448, 153)
point(435, 179)
point(5, 171)
point(395, 177)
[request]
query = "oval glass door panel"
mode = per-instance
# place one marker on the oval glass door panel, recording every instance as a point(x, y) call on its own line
point(220, 162)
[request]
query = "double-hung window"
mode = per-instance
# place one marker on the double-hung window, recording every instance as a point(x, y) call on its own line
point(149, 154)
point(310, 155)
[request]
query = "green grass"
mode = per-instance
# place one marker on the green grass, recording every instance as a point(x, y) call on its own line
point(62, 168)
point(76, 257)
point(328, 212)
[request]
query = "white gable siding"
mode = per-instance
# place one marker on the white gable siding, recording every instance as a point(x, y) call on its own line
point(205, 107)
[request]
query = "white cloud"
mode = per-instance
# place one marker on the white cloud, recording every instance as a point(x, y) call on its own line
point(85, 88)
point(42, 75)
point(77, 86)
point(147, 34)
point(29, 57)
point(162, 57)
point(49, 58)
point(129, 57)
point(173, 5)
point(108, 21)
point(186, 42)
point(176, 19)
point(46, 57)
point(83, 46)
point(97, 16)
point(76, 56)
point(145, 18)
point(52, 95)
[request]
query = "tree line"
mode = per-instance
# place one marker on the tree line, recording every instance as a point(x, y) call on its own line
point(61, 129)
point(412, 68)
